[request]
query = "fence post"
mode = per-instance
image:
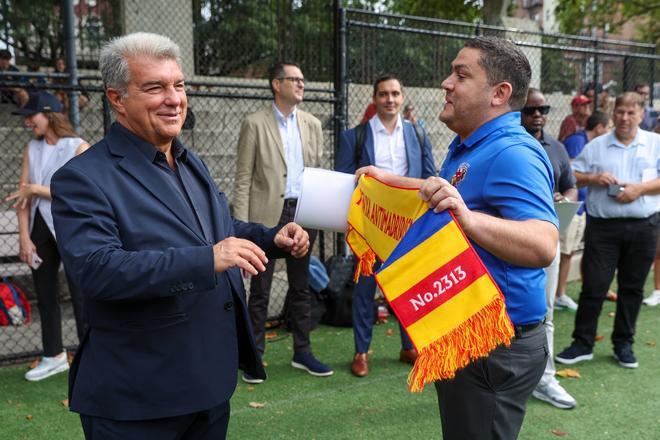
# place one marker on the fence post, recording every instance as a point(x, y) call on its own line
point(652, 75)
point(595, 81)
point(341, 95)
point(70, 47)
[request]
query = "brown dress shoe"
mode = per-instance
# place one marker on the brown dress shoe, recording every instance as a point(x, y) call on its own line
point(408, 356)
point(360, 365)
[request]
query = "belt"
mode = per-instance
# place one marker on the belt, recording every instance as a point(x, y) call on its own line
point(521, 330)
point(290, 203)
point(624, 220)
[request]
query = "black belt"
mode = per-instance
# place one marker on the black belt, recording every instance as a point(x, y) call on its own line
point(521, 330)
point(290, 203)
point(624, 220)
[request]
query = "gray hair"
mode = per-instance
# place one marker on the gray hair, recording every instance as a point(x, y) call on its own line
point(113, 61)
point(629, 98)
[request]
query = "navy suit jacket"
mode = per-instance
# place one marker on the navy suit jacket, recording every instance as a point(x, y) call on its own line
point(166, 334)
point(420, 158)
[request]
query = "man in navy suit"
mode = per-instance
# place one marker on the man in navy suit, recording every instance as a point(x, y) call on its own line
point(393, 144)
point(148, 239)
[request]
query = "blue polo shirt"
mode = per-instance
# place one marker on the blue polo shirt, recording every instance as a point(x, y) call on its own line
point(501, 170)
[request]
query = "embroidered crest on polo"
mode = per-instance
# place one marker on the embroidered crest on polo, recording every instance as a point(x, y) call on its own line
point(460, 173)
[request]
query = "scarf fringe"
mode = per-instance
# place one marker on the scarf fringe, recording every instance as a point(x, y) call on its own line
point(365, 265)
point(471, 340)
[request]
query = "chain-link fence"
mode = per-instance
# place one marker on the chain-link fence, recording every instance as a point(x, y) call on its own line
point(420, 51)
point(417, 50)
point(216, 111)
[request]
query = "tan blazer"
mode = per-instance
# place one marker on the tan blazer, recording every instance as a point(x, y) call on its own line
point(261, 166)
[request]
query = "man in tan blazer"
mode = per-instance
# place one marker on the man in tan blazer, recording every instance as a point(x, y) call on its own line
point(274, 146)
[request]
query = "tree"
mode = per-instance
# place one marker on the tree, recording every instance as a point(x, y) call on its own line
point(242, 38)
point(35, 29)
point(579, 16)
point(468, 10)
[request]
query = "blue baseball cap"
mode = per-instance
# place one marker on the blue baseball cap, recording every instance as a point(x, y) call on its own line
point(41, 102)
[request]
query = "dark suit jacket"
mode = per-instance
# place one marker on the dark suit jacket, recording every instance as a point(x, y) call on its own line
point(166, 333)
point(420, 158)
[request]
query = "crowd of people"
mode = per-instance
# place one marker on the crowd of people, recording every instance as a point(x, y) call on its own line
point(155, 258)
point(22, 86)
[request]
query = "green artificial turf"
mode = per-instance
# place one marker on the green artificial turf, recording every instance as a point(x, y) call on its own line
point(613, 403)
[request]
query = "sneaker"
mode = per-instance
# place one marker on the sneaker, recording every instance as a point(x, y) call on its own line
point(554, 394)
point(574, 354)
point(306, 361)
point(625, 356)
point(653, 299)
point(565, 302)
point(48, 366)
point(249, 379)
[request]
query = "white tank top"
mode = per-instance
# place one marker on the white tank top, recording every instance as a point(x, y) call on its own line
point(44, 159)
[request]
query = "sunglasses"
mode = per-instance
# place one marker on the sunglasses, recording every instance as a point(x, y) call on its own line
point(529, 111)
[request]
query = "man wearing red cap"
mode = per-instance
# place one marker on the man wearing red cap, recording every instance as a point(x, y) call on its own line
point(581, 110)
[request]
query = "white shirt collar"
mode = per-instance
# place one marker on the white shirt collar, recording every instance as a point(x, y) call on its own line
point(280, 116)
point(637, 140)
point(378, 126)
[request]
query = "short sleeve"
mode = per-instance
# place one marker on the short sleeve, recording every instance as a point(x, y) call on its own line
point(519, 185)
point(572, 146)
point(581, 163)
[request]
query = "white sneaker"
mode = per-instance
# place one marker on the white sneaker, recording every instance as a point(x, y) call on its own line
point(653, 299)
point(565, 302)
point(555, 395)
point(48, 366)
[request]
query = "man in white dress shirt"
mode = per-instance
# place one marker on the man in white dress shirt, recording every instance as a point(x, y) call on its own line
point(395, 145)
point(621, 171)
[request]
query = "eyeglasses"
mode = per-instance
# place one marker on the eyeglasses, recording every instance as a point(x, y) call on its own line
point(543, 109)
point(299, 81)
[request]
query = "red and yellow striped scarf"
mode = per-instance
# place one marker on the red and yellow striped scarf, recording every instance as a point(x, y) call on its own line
point(432, 277)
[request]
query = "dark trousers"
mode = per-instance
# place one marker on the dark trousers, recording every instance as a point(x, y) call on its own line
point(363, 309)
point(47, 290)
point(487, 399)
point(203, 425)
point(626, 245)
point(298, 303)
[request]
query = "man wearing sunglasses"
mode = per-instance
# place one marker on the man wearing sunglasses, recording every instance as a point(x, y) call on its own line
point(533, 119)
point(274, 146)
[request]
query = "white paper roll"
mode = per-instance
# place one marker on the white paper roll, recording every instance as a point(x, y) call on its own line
point(324, 199)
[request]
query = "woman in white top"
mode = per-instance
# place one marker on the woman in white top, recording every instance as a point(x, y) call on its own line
point(54, 143)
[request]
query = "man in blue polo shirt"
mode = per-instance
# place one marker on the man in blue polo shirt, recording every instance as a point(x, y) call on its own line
point(497, 181)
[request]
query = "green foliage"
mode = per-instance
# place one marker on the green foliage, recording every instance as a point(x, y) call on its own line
point(36, 29)
point(559, 74)
point(420, 60)
point(242, 38)
point(234, 36)
point(579, 16)
point(468, 10)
